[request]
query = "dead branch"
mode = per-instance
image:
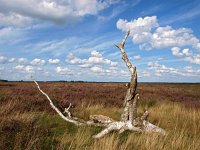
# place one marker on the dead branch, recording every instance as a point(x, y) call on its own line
point(129, 119)
point(66, 118)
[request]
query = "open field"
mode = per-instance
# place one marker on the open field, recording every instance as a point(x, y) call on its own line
point(28, 122)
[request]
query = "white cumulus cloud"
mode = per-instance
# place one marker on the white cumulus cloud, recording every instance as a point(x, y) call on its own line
point(95, 58)
point(54, 61)
point(12, 60)
point(160, 69)
point(97, 69)
point(186, 55)
point(37, 61)
point(4, 60)
point(20, 12)
point(165, 37)
point(96, 54)
point(63, 70)
point(28, 69)
point(149, 34)
point(140, 25)
point(176, 51)
point(23, 60)
point(195, 59)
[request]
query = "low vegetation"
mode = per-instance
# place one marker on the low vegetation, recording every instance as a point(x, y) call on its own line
point(28, 122)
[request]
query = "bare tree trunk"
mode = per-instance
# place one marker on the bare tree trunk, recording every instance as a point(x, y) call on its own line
point(129, 109)
point(129, 119)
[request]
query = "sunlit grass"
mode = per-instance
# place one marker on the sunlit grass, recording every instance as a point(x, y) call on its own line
point(50, 131)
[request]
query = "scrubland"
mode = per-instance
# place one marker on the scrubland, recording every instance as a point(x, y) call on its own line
point(28, 122)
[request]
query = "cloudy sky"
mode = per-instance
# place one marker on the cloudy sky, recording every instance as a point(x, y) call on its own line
point(74, 39)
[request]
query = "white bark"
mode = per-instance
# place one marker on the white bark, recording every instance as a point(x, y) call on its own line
point(118, 125)
point(68, 119)
point(129, 119)
point(149, 128)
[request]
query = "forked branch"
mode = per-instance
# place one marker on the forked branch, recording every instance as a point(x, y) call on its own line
point(66, 118)
point(129, 119)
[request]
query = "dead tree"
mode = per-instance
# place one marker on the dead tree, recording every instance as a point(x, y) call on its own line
point(129, 119)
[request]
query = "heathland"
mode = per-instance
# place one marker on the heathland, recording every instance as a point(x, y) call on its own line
point(28, 122)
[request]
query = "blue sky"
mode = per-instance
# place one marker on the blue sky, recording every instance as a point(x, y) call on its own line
point(74, 40)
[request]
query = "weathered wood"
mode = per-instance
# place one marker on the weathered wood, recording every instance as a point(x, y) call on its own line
point(133, 108)
point(129, 119)
point(101, 119)
point(145, 115)
point(127, 103)
point(130, 106)
point(68, 119)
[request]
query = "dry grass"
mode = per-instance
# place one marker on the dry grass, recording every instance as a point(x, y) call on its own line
point(27, 121)
point(182, 125)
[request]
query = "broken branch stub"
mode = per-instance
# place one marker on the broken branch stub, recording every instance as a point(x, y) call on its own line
point(129, 119)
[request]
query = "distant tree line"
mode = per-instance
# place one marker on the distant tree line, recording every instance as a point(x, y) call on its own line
point(1, 80)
